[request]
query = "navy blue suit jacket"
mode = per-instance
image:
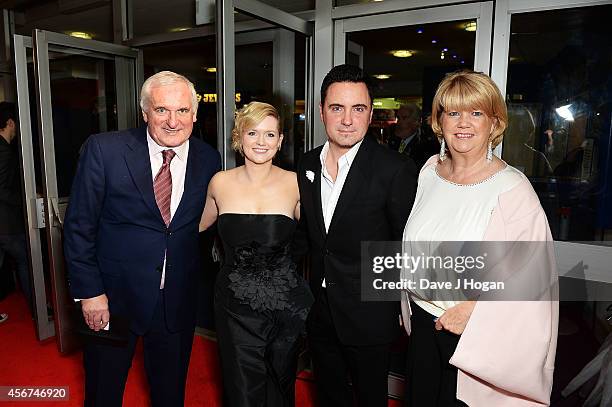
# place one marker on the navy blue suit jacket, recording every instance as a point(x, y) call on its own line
point(115, 238)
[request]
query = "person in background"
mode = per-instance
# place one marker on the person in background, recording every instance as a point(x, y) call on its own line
point(481, 353)
point(12, 229)
point(408, 138)
point(131, 242)
point(352, 190)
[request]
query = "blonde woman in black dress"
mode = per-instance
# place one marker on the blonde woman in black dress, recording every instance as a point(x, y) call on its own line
point(261, 303)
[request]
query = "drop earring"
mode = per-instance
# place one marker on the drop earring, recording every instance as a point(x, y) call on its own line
point(490, 152)
point(442, 150)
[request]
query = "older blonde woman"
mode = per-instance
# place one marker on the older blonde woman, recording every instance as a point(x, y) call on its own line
point(261, 302)
point(482, 353)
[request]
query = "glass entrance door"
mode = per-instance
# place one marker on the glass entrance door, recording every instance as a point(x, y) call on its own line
point(269, 60)
point(68, 89)
point(408, 53)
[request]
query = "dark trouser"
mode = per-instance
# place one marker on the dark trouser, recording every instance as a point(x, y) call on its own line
point(334, 362)
point(15, 246)
point(166, 357)
point(431, 380)
point(258, 353)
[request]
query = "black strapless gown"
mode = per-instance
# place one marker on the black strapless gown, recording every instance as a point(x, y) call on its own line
point(261, 305)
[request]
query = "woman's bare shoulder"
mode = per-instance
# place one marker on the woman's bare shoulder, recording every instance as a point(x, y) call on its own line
point(288, 178)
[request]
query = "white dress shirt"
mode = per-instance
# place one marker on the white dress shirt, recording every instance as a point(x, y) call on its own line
point(178, 166)
point(330, 189)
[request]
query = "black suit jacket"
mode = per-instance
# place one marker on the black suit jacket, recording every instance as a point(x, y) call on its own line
point(115, 238)
point(11, 214)
point(374, 205)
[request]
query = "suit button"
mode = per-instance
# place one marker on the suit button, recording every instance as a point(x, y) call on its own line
point(159, 269)
point(327, 252)
point(168, 233)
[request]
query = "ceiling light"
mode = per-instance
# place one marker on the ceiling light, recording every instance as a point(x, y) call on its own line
point(564, 112)
point(420, 31)
point(382, 76)
point(210, 69)
point(402, 53)
point(445, 49)
point(471, 26)
point(434, 41)
point(178, 29)
point(81, 34)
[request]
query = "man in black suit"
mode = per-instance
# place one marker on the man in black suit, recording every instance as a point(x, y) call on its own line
point(12, 231)
point(352, 190)
point(131, 242)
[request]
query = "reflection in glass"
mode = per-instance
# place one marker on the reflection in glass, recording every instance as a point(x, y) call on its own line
point(94, 18)
point(84, 103)
point(270, 67)
point(559, 116)
point(162, 17)
point(407, 64)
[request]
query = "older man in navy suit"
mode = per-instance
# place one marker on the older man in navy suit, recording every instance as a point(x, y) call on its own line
point(131, 241)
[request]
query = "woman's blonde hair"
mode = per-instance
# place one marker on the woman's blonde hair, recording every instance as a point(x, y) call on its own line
point(469, 90)
point(250, 115)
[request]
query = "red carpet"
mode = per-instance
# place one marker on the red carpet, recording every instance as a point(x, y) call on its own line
point(26, 362)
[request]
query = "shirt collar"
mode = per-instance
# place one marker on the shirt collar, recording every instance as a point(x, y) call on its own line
point(346, 159)
point(155, 148)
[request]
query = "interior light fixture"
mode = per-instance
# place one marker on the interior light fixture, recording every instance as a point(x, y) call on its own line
point(178, 29)
point(81, 34)
point(402, 53)
point(382, 76)
point(420, 31)
point(434, 41)
point(470, 26)
point(565, 112)
point(210, 69)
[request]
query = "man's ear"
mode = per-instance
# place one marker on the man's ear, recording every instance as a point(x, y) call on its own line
point(145, 117)
point(321, 112)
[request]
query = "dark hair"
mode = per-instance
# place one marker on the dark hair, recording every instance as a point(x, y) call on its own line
point(345, 73)
point(7, 111)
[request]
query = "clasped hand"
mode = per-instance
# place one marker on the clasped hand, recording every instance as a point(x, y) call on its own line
point(455, 318)
point(95, 312)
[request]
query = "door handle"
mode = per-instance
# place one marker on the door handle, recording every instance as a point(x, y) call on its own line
point(57, 220)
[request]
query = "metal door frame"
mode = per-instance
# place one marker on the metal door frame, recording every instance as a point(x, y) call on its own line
point(226, 73)
point(129, 78)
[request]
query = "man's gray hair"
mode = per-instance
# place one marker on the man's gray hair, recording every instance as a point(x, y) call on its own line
point(165, 78)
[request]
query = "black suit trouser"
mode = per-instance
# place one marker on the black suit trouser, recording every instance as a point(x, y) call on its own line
point(166, 358)
point(335, 364)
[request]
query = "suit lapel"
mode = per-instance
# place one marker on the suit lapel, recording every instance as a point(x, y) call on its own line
point(139, 164)
point(353, 182)
point(316, 198)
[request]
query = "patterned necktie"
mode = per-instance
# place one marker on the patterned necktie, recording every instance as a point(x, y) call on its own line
point(162, 185)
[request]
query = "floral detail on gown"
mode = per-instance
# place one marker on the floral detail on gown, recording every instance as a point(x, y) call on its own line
point(262, 277)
